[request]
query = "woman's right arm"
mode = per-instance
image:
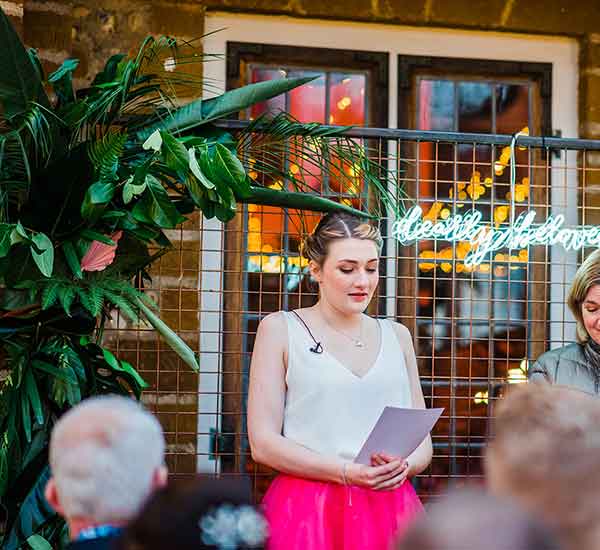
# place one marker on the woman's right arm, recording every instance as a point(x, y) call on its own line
point(266, 401)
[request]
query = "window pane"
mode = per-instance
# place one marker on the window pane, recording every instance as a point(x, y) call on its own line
point(307, 103)
point(474, 107)
point(436, 105)
point(273, 105)
point(512, 108)
point(347, 99)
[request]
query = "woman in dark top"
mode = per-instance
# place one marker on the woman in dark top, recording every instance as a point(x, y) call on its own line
point(578, 365)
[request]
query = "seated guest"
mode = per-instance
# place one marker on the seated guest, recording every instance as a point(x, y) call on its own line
point(546, 454)
point(106, 457)
point(578, 364)
point(195, 515)
point(471, 520)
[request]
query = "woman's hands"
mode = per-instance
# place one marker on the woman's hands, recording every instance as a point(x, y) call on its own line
point(386, 473)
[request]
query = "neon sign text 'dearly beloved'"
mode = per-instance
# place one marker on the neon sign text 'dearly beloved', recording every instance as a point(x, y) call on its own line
point(485, 239)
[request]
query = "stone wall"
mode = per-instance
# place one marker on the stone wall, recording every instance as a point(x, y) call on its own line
point(92, 30)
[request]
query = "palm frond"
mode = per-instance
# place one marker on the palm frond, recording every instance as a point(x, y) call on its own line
point(105, 154)
point(231, 102)
point(281, 149)
point(25, 147)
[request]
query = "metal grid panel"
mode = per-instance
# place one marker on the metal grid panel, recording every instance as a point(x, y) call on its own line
point(475, 330)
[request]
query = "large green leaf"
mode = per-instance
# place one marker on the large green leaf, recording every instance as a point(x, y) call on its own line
point(62, 81)
point(202, 111)
point(37, 542)
point(301, 201)
point(44, 255)
point(228, 168)
point(123, 366)
point(25, 415)
point(96, 198)
point(156, 207)
point(222, 193)
point(197, 170)
point(3, 469)
point(20, 84)
point(175, 154)
point(131, 190)
point(109, 73)
point(33, 513)
point(64, 375)
point(72, 259)
point(176, 343)
point(34, 396)
point(92, 235)
point(6, 230)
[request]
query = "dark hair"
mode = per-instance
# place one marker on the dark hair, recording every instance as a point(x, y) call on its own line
point(338, 225)
point(180, 515)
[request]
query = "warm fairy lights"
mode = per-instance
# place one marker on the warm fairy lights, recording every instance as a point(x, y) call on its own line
point(461, 194)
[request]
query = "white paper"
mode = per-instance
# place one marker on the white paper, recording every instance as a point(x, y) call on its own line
point(398, 432)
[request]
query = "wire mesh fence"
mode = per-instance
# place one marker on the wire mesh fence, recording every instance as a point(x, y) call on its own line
point(475, 328)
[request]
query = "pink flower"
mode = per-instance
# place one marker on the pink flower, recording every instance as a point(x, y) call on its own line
point(99, 255)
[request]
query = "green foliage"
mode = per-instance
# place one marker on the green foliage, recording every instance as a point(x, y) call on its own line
point(61, 81)
point(89, 182)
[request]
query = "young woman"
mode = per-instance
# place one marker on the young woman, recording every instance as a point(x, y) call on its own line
point(320, 377)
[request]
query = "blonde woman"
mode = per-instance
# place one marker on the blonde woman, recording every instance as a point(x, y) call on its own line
point(578, 364)
point(319, 379)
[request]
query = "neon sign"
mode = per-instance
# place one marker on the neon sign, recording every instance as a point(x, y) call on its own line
point(485, 239)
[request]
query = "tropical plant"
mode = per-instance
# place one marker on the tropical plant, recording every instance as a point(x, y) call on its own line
point(89, 181)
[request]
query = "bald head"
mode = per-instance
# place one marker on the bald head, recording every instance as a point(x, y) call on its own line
point(106, 455)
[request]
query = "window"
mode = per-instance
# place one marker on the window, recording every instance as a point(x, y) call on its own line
point(473, 324)
point(265, 272)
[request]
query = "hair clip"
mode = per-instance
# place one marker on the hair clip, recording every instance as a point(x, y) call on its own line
point(230, 527)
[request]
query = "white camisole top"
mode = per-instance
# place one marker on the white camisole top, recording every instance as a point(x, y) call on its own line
point(328, 408)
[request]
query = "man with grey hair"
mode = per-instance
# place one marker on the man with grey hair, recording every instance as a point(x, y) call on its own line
point(106, 457)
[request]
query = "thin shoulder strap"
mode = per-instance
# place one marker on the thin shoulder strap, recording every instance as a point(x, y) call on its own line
point(394, 338)
point(317, 348)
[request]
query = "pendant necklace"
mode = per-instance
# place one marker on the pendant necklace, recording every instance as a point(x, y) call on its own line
point(358, 342)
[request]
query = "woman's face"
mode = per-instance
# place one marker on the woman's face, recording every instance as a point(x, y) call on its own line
point(349, 275)
point(590, 311)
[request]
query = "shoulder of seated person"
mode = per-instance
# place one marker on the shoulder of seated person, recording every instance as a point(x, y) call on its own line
point(571, 352)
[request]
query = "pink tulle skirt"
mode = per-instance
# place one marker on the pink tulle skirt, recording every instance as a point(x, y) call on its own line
point(314, 515)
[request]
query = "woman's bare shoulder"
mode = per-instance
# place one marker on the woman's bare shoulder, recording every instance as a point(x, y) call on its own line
point(271, 336)
point(273, 322)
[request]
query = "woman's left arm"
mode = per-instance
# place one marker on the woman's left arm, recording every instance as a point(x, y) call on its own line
point(420, 458)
